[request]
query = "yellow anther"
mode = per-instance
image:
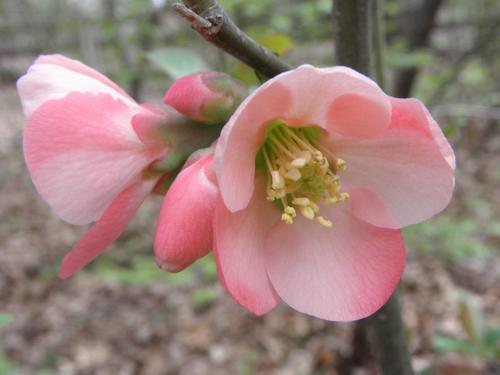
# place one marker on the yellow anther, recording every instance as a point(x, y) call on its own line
point(307, 212)
point(334, 189)
point(306, 155)
point(288, 214)
point(314, 206)
point(293, 174)
point(330, 200)
point(287, 218)
point(299, 162)
point(343, 197)
point(318, 156)
point(332, 179)
point(340, 164)
point(290, 211)
point(325, 222)
point(280, 194)
point(277, 180)
point(301, 201)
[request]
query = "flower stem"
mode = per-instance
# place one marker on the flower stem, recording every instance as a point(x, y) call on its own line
point(209, 19)
point(357, 25)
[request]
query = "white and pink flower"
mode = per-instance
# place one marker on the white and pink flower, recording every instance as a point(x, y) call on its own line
point(93, 153)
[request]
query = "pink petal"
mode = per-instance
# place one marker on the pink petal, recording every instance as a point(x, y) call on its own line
point(55, 76)
point(78, 67)
point(184, 229)
point(107, 229)
point(150, 126)
point(188, 95)
point(342, 273)
point(239, 252)
point(338, 99)
point(240, 140)
point(409, 177)
point(81, 152)
point(411, 114)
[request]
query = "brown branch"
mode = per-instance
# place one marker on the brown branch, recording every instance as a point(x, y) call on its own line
point(209, 19)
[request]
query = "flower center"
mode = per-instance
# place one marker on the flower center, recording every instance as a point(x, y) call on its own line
point(301, 173)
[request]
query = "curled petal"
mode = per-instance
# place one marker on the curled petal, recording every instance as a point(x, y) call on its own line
point(342, 273)
point(107, 229)
point(411, 114)
point(55, 76)
point(82, 152)
point(184, 229)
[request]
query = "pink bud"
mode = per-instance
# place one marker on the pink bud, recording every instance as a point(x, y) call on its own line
point(209, 96)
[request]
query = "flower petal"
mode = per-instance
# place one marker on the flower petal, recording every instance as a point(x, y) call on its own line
point(406, 172)
point(411, 114)
point(338, 99)
point(107, 229)
point(240, 140)
point(184, 228)
point(55, 76)
point(342, 273)
point(239, 245)
point(81, 152)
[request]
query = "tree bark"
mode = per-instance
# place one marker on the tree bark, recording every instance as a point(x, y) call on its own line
point(355, 26)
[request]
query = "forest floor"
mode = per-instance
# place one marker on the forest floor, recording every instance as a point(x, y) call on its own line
point(122, 315)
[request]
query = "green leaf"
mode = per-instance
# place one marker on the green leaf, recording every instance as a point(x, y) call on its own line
point(203, 297)
point(492, 337)
point(177, 62)
point(208, 267)
point(5, 319)
point(450, 344)
point(277, 43)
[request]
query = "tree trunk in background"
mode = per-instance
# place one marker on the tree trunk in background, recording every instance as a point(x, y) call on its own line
point(418, 36)
point(352, 23)
point(355, 24)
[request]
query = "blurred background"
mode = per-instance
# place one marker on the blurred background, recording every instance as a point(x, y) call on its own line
point(121, 315)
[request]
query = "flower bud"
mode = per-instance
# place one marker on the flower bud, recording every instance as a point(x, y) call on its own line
point(210, 97)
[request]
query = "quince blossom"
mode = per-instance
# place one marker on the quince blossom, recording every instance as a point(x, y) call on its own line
point(93, 153)
point(315, 173)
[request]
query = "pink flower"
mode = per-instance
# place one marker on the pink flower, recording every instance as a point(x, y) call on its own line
point(317, 170)
point(90, 150)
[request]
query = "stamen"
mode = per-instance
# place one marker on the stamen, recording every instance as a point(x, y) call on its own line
point(301, 173)
point(293, 174)
point(301, 201)
point(315, 207)
point(343, 197)
point(325, 222)
point(340, 164)
point(277, 181)
point(299, 162)
point(307, 212)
